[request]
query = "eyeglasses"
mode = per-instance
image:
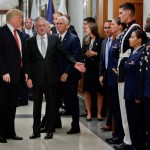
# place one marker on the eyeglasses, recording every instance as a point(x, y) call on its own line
point(59, 23)
point(107, 28)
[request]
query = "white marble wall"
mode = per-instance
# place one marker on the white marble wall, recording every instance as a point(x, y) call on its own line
point(75, 10)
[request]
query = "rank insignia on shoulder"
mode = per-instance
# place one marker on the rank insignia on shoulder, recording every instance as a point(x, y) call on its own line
point(146, 59)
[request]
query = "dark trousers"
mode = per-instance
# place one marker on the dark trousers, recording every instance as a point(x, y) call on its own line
point(135, 116)
point(51, 93)
point(147, 118)
point(8, 102)
point(63, 97)
point(71, 91)
point(23, 93)
point(58, 123)
point(115, 108)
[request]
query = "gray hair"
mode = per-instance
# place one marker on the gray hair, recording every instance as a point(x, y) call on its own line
point(12, 13)
point(64, 19)
point(48, 23)
point(39, 18)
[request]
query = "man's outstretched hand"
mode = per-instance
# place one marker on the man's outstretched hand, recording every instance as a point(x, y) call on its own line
point(80, 66)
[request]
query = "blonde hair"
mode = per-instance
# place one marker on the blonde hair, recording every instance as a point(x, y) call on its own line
point(12, 13)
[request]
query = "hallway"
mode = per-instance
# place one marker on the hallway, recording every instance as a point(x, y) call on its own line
point(86, 140)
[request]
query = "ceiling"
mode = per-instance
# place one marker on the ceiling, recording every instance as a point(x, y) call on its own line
point(8, 4)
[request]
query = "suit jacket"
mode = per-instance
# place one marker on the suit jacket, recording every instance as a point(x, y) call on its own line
point(25, 36)
point(33, 31)
point(71, 44)
point(92, 63)
point(72, 30)
point(102, 58)
point(42, 70)
point(10, 57)
point(131, 75)
point(112, 78)
point(53, 29)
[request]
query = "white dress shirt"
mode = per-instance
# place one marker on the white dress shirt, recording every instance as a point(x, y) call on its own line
point(38, 39)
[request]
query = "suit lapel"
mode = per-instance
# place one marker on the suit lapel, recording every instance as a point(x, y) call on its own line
point(11, 36)
point(65, 37)
point(36, 46)
point(48, 45)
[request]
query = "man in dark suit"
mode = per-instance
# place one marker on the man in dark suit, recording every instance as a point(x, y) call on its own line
point(103, 71)
point(69, 76)
point(42, 71)
point(28, 27)
point(11, 52)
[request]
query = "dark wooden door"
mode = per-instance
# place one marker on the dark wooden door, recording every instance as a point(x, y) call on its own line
point(138, 6)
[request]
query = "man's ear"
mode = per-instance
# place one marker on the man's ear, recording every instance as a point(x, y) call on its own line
point(128, 12)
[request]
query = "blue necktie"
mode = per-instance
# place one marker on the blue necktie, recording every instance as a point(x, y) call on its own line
point(108, 44)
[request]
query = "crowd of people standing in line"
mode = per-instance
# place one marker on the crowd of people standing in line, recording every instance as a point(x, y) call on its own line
point(48, 59)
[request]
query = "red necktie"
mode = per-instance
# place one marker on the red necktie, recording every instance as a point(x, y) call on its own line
point(17, 41)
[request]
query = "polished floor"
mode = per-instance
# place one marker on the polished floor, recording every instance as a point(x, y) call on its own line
point(88, 139)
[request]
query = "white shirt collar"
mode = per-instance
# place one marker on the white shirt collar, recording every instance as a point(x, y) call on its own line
point(63, 35)
point(10, 27)
point(39, 36)
point(136, 50)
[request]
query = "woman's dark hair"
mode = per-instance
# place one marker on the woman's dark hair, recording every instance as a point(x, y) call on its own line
point(94, 30)
point(89, 19)
point(118, 21)
point(140, 34)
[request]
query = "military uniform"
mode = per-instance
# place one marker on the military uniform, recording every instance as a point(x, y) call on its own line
point(144, 86)
point(135, 111)
point(112, 83)
point(125, 51)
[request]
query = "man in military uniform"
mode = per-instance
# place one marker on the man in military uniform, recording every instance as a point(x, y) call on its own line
point(127, 15)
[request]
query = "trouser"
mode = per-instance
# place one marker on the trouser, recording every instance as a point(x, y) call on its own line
point(114, 104)
point(8, 102)
point(135, 115)
point(127, 139)
point(147, 118)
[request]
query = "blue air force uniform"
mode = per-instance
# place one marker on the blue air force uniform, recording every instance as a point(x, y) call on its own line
point(112, 82)
point(135, 112)
point(144, 87)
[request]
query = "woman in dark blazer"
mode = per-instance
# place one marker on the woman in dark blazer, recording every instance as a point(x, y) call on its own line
point(135, 113)
point(91, 52)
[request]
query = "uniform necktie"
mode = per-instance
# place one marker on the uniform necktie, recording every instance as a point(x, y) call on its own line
point(18, 45)
point(43, 47)
point(108, 44)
